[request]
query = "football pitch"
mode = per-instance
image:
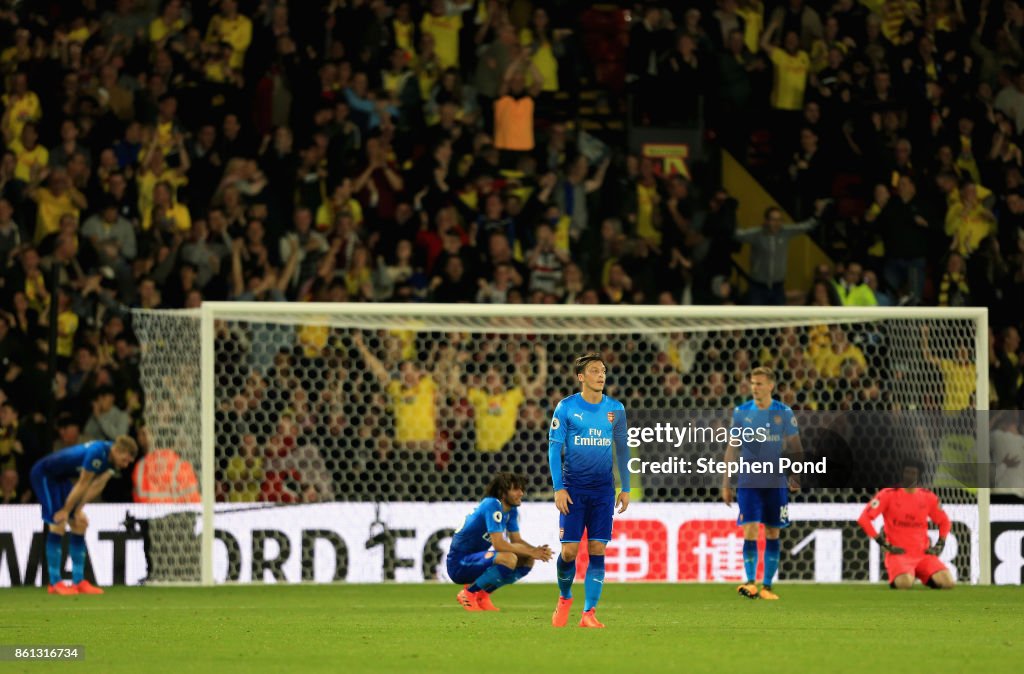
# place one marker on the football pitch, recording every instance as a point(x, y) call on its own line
point(419, 628)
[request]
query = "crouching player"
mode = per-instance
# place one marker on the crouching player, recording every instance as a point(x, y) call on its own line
point(64, 482)
point(481, 558)
point(905, 510)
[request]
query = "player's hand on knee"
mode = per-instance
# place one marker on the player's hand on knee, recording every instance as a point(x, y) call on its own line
point(887, 546)
point(543, 553)
point(80, 521)
point(563, 501)
point(622, 501)
point(937, 548)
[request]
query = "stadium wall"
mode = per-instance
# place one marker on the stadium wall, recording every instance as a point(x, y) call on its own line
point(350, 542)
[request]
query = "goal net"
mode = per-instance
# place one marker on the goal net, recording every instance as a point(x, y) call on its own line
point(348, 442)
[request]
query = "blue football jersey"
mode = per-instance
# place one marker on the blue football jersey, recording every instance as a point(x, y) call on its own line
point(68, 462)
point(580, 444)
point(779, 423)
point(488, 519)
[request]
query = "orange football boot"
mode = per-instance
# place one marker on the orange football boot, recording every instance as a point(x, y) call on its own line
point(467, 599)
point(63, 588)
point(561, 615)
point(590, 620)
point(85, 587)
point(766, 593)
point(483, 600)
point(748, 590)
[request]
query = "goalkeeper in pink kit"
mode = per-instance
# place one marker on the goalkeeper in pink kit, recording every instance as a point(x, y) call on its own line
point(906, 510)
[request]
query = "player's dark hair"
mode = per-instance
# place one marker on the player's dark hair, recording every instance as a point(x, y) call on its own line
point(911, 462)
point(587, 358)
point(501, 483)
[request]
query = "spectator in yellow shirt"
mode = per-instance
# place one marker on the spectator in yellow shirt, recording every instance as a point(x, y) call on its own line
point(444, 27)
point(167, 215)
point(413, 397)
point(244, 472)
point(404, 29)
point(67, 326)
point(57, 198)
point(168, 24)
point(232, 27)
point(792, 66)
point(496, 408)
point(968, 221)
point(31, 156)
point(544, 45)
point(958, 374)
point(341, 200)
point(20, 107)
point(154, 171)
point(19, 52)
point(829, 361)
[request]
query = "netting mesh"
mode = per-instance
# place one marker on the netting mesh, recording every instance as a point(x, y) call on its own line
point(169, 373)
point(421, 408)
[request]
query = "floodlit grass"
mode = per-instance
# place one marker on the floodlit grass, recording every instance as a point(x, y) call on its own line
point(419, 628)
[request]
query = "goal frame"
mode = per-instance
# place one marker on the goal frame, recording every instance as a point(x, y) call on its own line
point(361, 314)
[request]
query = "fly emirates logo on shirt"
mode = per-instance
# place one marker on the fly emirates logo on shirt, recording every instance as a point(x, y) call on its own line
point(594, 438)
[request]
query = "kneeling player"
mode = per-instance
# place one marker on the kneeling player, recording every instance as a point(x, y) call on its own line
point(64, 482)
point(905, 511)
point(480, 557)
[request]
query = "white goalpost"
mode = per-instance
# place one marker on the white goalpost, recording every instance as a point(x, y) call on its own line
point(384, 414)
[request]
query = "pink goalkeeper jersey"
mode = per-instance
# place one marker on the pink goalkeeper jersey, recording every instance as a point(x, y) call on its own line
point(905, 515)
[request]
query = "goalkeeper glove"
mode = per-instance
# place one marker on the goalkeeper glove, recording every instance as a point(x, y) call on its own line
point(937, 548)
point(887, 546)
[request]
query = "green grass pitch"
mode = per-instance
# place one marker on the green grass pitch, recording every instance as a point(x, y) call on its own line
point(419, 628)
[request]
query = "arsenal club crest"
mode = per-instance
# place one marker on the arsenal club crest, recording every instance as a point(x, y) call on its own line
point(611, 417)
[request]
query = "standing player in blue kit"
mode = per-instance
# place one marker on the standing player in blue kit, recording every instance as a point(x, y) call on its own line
point(763, 499)
point(583, 429)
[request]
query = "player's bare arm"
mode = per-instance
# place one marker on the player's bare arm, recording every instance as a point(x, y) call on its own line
point(542, 552)
point(731, 454)
point(794, 450)
point(372, 362)
point(520, 548)
point(96, 487)
point(563, 501)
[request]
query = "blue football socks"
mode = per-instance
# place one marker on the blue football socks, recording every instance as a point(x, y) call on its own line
point(594, 581)
point(494, 577)
point(566, 574)
point(76, 549)
point(53, 556)
point(771, 560)
point(750, 560)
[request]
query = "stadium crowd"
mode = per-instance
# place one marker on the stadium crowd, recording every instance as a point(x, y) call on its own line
point(157, 154)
